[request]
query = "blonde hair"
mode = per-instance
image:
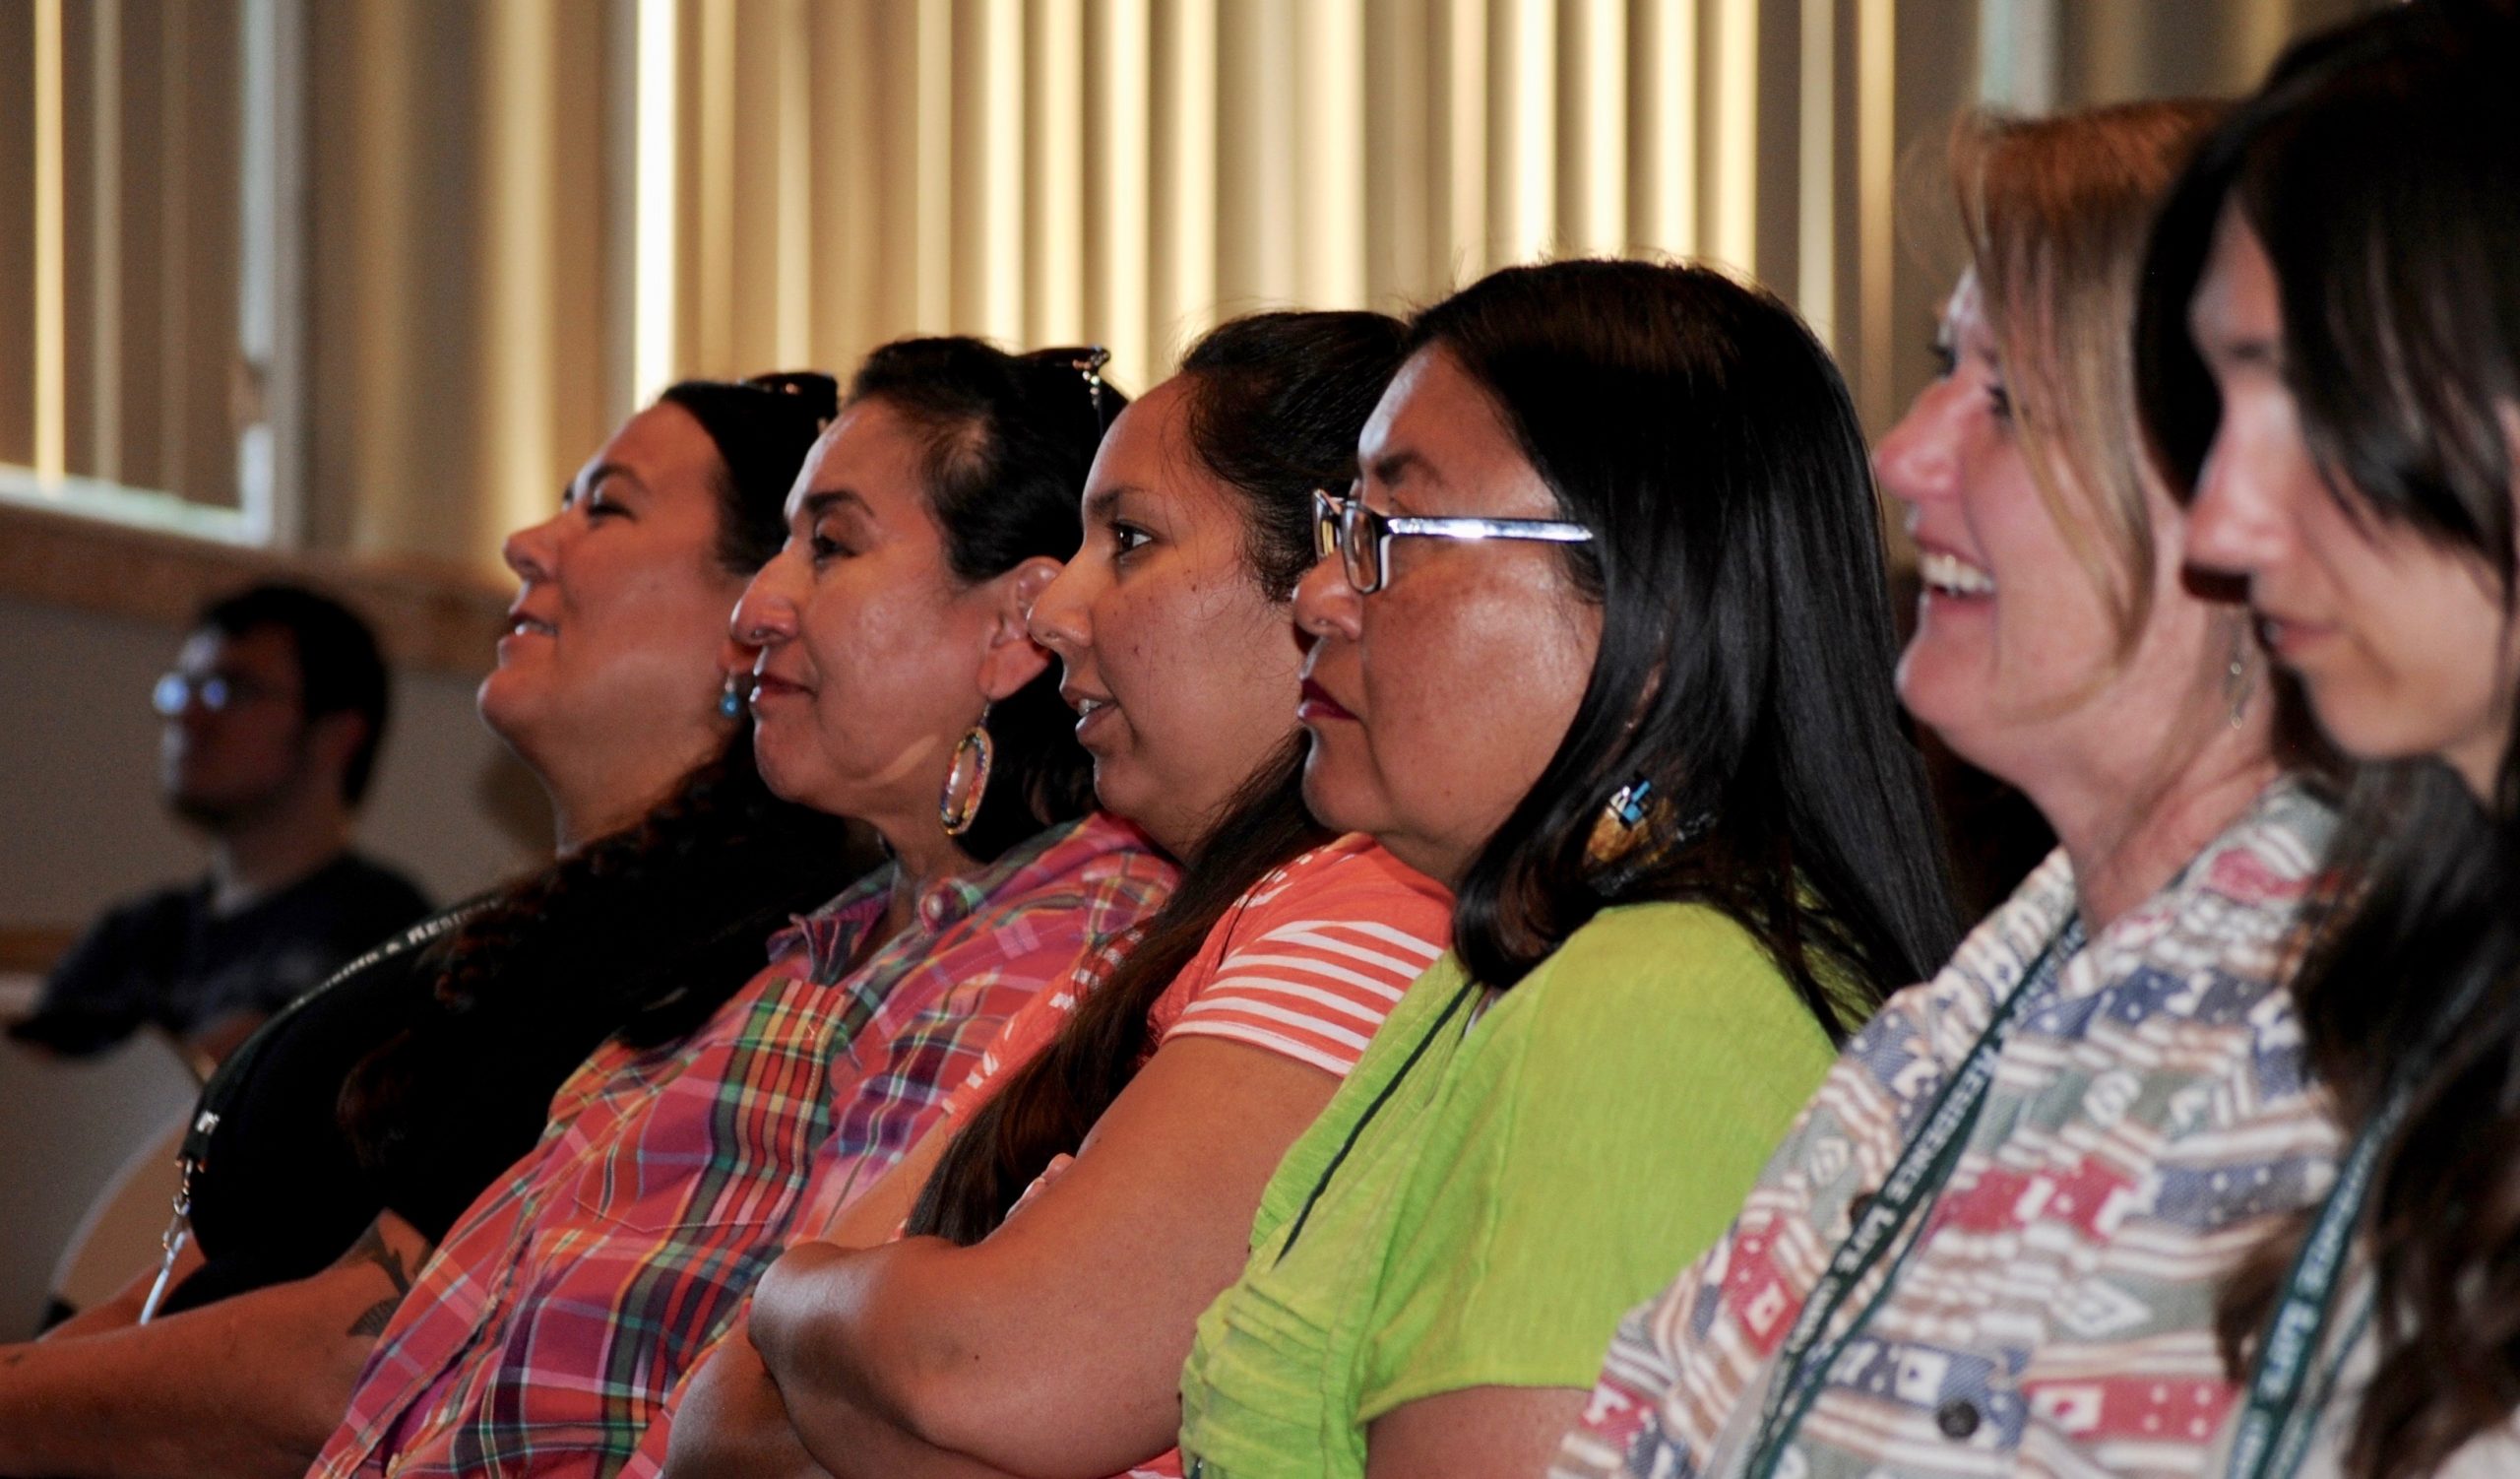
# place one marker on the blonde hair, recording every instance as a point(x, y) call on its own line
point(2058, 213)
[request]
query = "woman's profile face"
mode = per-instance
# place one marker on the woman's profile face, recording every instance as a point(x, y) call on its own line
point(874, 658)
point(1180, 668)
point(620, 612)
point(1435, 702)
point(2401, 643)
point(2016, 659)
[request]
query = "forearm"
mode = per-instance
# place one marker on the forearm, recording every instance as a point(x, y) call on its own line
point(730, 1422)
point(248, 1386)
point(823, 1324)
point(920, 1357)
point(123, 1309)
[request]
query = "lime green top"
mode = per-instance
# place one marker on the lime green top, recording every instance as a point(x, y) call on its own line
point(1519, 1178)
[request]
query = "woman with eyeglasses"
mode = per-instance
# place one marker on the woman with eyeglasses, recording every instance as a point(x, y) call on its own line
point(2332, 342)
point(1605, 646)
point(1993, 1243)
point(339, 1144)
point(1143, 1110)
point(897, 683)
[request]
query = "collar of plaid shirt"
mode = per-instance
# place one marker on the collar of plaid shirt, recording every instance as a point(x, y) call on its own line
point(566, 1301)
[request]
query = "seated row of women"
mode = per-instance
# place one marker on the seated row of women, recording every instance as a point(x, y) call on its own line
point(1405, 836)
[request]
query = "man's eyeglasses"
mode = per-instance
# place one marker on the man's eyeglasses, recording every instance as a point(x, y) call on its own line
point(1362, 538)
point(213, 692)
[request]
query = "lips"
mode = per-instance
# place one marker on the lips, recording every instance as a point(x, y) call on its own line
point(1092, 710)
point(770, 687)
point(2288, 637)
point(1947, 574)
point(1317, 706)
point(521, 627)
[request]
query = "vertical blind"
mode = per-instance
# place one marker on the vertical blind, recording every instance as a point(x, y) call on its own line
point(472, 235)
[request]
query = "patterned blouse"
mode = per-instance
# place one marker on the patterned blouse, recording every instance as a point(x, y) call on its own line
point(566, 1301)
point(2147, 1124)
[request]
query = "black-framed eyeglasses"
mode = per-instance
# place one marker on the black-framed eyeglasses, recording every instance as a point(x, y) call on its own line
point(215, 691)
point(1362, 538)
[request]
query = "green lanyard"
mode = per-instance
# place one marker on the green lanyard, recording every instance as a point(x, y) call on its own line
point(1927, 1162)
point(2275, 1426)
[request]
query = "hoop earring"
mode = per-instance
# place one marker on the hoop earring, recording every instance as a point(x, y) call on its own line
point(730, 699)
point(967, 778)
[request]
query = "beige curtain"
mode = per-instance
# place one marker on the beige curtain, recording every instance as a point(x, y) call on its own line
point(520, 218)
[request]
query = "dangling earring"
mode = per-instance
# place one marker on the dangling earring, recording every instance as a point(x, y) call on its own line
point(1635, 827)
point(730, 699)
point(967, 778)
point(1614, 831)
point(2240, 679)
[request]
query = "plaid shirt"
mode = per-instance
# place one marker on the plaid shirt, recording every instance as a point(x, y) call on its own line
point(565, 1302)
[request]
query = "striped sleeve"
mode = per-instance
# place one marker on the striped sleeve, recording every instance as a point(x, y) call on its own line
point(1323, 962)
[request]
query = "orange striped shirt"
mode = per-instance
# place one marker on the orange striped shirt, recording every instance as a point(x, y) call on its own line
point(1305, 965)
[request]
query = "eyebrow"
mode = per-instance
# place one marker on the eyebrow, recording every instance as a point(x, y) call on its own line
point(597, 474)
point(1098, 503)
point(823, 501)
point(1393, 467)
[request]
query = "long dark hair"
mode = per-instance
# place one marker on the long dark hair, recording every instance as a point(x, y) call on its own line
point(643, 933)
point(1705, 437)
point(1274, 407)
point(2380, 166)
point(1006, 441)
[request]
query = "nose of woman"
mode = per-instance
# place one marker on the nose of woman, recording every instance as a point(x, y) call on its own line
point(765, 616)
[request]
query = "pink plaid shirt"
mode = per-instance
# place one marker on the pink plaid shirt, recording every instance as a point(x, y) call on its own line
point(567, 1301)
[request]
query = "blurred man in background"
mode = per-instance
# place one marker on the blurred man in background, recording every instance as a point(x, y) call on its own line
point(274, 715)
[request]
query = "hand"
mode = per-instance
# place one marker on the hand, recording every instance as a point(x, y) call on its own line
point(729, 1421)
point(1053, 1172)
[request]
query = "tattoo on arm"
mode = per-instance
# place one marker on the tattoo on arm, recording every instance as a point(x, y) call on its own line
point(372, 1248)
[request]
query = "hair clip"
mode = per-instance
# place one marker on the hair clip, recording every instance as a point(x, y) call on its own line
point(1089, 365)
point(820, 392)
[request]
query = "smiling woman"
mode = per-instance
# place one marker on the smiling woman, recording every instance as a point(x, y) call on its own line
point(890, 621)
point(348, 1137)
point(1994, 1157)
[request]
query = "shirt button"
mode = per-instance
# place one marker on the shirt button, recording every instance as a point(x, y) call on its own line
point(1856, 1206)
point(1957, 1419)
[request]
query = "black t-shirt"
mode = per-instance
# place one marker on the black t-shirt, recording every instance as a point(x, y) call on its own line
point(167, 960)
point(279, 1193)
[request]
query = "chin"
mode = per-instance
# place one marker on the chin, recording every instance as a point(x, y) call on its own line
point(1935, 694)
point(1329, 794)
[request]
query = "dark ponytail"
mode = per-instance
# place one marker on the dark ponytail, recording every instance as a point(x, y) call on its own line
point(1276, 401)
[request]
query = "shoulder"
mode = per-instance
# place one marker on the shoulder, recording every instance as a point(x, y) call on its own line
point(362, 875)
point(1662, 983)
point(1097, 853)
point(1652, 953)
point(158, 909)
point(1353, 882)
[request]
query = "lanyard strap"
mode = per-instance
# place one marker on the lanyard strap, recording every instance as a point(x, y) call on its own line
point(1923, 1166)
point(2275, 1427)
point(1295, 1229)
point(239, 1066)
point(2274, 1431)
